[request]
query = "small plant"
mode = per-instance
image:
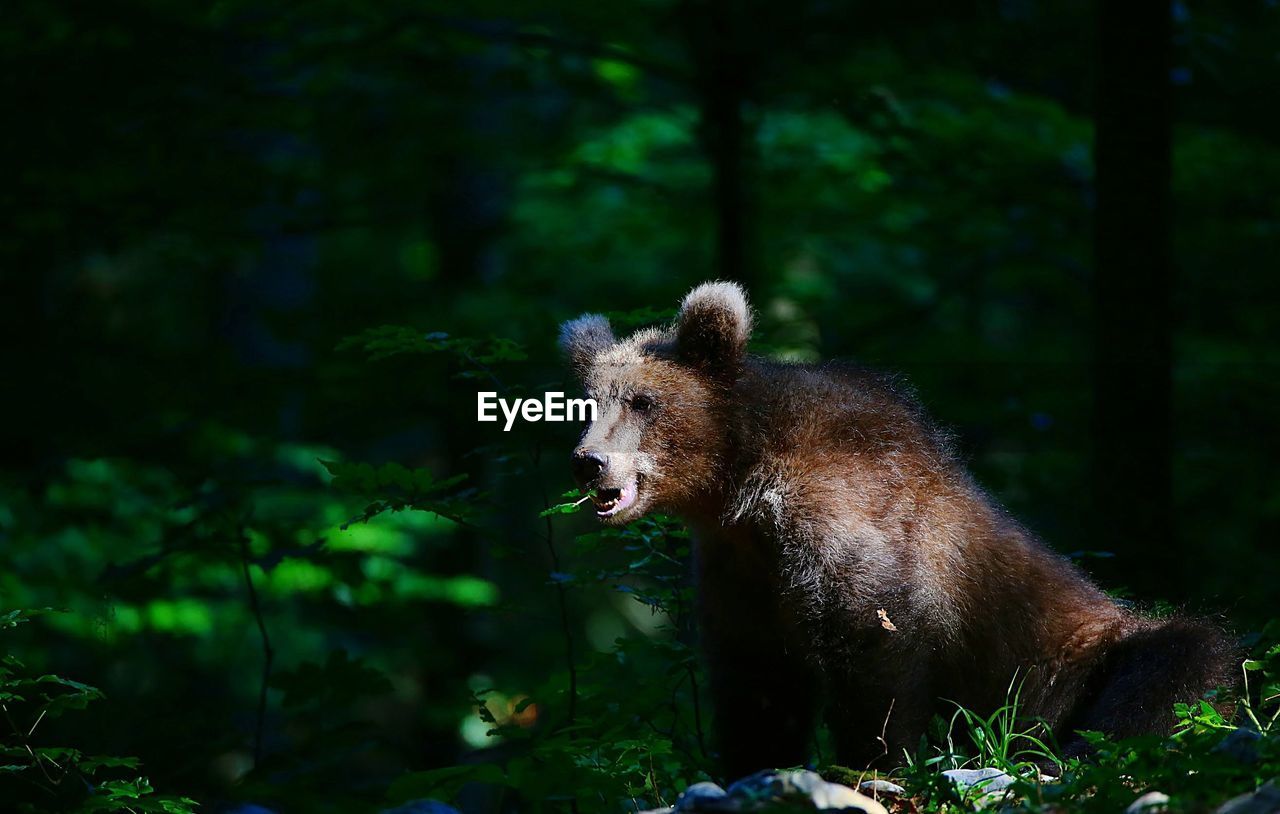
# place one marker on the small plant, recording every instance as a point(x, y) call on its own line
point(1264, 712)
point(37, 777)
point(1004, 740)
point(1209, 757)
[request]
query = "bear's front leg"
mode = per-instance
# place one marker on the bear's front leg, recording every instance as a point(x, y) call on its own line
point(763, 692)
point(764, 701)
point(882, 691)
point(874, 723)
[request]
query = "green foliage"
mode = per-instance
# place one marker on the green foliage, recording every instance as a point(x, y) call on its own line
point(34, 776)
point(400, 488)
point(1209, 758)
point(569, 507)
point(1003, 739)
point(576, 737)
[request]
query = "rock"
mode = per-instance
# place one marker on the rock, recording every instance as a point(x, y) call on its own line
point(700, 797)
point(985, 787)
point(1149, 803)
point(421, 807)
point(1241, 745)
point(988, 780)
point(881, 787)
point(770, 784)
point(1265, 800)
point(990, 786)
point(835, 796)
point(762, 788)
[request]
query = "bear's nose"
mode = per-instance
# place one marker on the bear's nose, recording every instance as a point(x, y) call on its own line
point(587, 466)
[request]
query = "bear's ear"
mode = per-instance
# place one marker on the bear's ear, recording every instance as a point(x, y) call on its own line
point(584, 338)
point(713, 327)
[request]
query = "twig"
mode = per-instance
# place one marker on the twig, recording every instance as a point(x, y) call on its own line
point(32, 730)
point(561, 596)
point(881, 738)
point(36, 759)
point(684, 632)
point(697, 709)
point(268, 654)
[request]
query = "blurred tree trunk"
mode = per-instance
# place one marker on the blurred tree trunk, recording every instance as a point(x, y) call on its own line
point(717, 36)
point(1132, 414)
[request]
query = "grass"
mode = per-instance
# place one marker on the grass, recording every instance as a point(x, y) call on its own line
point(1207, 760)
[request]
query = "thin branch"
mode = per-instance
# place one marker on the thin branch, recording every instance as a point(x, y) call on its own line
point(684, 633)
point(883, 741)
point(36, 759)
point(561, 595)
point(697, 708)
point(268, 654)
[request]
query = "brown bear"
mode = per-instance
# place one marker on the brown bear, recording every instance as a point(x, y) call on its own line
point(843, 552)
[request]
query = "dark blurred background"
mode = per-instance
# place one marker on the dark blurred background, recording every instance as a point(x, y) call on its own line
point(1062, 225)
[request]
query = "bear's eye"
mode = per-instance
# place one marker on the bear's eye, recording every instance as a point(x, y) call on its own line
point(641, 403)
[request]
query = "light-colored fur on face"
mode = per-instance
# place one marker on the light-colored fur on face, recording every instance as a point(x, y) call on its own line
point(658, 394)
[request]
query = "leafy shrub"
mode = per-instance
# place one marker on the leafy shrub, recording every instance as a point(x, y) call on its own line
point(36, 777)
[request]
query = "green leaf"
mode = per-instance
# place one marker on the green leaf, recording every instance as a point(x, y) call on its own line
point(13, 618)
point(89, 765)
point(567, 508)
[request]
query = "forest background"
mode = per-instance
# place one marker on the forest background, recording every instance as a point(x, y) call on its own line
point(259, 257)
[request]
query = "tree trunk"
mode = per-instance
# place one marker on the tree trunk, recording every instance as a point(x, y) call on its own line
point(1132, 471)
point(718, 44)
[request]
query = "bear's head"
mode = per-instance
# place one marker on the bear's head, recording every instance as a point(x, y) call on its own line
point(660, 436)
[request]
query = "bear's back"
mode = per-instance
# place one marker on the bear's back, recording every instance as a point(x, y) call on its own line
point(832, 408)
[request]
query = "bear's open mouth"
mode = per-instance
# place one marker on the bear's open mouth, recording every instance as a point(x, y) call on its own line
point(611, 501)
point(606, 499)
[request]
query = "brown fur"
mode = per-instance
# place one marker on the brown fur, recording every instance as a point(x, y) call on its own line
point(821, 496)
